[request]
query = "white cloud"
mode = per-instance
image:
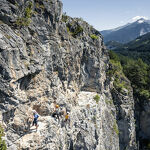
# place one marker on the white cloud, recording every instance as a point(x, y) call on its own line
point(138, 17)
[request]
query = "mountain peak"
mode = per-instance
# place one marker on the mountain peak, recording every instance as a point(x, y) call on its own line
point(139, 26)
point(139, 19)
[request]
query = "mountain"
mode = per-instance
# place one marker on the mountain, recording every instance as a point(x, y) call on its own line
point(127, 32)
point(138, 48)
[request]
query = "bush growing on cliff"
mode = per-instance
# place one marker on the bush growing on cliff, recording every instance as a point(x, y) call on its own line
point(64, 18)
point(94, 37)
point(74, 30)
point(109, 102)
point(39, 6)
point(115, 127)
point(25, 21)
point(2, 142)
point(115, 66)
point(77, 30)
point(28, 10)
point(97, 98)
point(145, 93)
point(120, 85)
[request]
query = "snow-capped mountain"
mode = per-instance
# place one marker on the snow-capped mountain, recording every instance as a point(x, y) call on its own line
point(127, 32)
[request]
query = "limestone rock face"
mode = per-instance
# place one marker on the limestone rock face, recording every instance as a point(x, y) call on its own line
point(45, 57)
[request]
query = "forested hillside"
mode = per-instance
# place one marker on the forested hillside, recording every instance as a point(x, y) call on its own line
point(137, 72)
point(138, 48)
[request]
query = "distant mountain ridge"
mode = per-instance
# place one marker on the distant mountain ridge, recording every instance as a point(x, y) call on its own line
point(128, 32)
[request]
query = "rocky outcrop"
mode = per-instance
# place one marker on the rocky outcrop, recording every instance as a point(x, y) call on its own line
point(46, 57)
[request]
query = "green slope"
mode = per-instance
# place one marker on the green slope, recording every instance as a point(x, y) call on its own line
point(138, 48)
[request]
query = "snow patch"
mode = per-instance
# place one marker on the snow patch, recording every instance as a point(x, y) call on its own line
point(136, 18)
point(140, 21)
point(142, 32)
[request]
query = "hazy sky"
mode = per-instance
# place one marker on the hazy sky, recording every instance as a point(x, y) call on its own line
point(107, 14)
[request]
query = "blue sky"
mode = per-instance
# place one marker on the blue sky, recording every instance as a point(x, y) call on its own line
point(107, 14)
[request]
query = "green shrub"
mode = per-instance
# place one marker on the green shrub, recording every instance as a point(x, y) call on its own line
point(68, 30)
point(25, 21)
point(145, 93)
point(64, 18)
point(115, 127)
point(2, 142)
point(109, 102)
point(120, 85)
point(8, 36)
point(97, 98)
point(74, 31)
point(77, 30)
point(39, 6)
point(28, 10)
point(94, 37)
point(68, 26)
point(110, 73)
point(116, 66)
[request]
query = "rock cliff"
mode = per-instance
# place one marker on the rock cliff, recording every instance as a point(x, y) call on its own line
point(46, 56)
